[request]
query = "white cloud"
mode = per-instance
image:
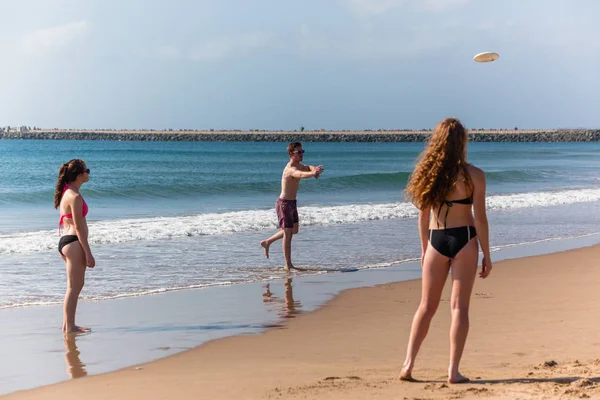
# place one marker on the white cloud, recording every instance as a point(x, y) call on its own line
point(224, 47)
point(48, 40)
point(168, 52)
point(442, 5)
point(373, 43)
point(568, 35)
point(372, 6)
point(210, 50)
point(403, 47)
point(310, 43)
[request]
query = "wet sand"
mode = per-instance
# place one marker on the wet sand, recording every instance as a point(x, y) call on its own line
point(534, 334)
point(135, 330)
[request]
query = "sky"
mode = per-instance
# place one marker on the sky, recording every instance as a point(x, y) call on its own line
point(321, 64)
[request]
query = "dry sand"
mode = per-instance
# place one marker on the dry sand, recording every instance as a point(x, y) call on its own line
point(535, 333)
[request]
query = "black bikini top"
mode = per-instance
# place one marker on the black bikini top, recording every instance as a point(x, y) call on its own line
point(466, 200)
point(449, 203)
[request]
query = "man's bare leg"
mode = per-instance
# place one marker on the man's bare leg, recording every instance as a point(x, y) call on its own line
point(287, 247)
point(267, 243)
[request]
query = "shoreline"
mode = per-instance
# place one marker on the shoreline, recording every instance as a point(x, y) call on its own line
point(278, 354)
point(498, 136)
point(505, 252)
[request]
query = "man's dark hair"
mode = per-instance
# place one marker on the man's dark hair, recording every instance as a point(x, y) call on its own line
point(292, 146)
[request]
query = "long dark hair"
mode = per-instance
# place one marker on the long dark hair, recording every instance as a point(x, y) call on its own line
point(440, 165)
point(67, 173)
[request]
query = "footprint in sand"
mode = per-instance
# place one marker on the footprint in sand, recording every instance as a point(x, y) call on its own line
point(549, 364)
point(333, 378)
point(433, 386)
point(477, 390)
point(581, 383)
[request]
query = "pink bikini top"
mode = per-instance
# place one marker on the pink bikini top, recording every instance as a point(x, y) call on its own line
point(84, 209)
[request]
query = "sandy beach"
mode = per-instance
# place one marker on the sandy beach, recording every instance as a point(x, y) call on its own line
point(534, 334)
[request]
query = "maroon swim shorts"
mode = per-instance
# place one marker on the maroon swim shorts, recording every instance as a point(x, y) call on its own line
point(287, 213)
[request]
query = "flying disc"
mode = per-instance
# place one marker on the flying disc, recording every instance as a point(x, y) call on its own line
point(486, 57)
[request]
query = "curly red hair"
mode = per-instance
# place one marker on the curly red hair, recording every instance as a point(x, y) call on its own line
point(440, 166)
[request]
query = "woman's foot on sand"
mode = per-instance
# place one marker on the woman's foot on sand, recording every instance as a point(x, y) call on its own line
point(458, 378)
point(406, 375)
point(265, 245)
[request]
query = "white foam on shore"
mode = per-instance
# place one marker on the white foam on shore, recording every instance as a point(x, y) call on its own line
point(554, 239)
point(265, 278)
point(151, 229)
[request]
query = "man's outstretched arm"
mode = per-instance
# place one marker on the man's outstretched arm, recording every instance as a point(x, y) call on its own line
point(307, 172)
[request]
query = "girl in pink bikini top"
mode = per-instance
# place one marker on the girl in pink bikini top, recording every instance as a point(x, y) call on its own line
point(84, 208)
point(73, 248)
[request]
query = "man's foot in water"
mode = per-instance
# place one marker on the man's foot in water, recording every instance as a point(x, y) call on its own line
point(265, 245)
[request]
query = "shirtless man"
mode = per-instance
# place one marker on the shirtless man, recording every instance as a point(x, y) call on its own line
point(287, 211)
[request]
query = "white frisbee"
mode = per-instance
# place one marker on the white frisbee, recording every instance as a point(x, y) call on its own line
point(486, 57)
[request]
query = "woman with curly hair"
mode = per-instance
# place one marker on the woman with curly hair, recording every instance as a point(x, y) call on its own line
point(445, 185)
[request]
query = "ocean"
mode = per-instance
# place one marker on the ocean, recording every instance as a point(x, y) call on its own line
point(169, 216)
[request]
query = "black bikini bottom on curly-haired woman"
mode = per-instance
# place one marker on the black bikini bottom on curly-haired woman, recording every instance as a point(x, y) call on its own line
point(449, 242)
point(65, 240)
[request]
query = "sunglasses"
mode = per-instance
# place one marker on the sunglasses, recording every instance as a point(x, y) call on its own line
point(299, 152)
point(87, 171)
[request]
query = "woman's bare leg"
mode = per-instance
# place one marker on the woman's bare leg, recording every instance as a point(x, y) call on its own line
point(435, 272)
point(75, 262)
point(464, 270)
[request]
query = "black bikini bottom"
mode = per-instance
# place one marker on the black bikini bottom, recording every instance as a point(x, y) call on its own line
point(450, 241)
point(65, 240)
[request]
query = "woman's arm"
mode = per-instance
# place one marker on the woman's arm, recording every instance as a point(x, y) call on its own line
point(424, 216)
point(481, 222)
point(81, 228)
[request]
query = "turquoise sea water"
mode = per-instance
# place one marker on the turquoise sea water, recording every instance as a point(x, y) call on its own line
point(175, 215)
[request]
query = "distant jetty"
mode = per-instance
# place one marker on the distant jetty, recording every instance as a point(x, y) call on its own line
point(578, 135)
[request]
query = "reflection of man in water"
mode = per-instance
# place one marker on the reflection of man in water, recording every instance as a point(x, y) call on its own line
point(291, 307)
point(290, 304)
point(75, 368)
point(267, 295)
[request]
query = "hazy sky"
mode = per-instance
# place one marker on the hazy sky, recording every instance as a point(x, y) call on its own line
point(278, 64)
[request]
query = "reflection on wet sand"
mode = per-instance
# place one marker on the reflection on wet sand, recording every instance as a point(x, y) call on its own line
point(290, 307)
point(75, 368)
